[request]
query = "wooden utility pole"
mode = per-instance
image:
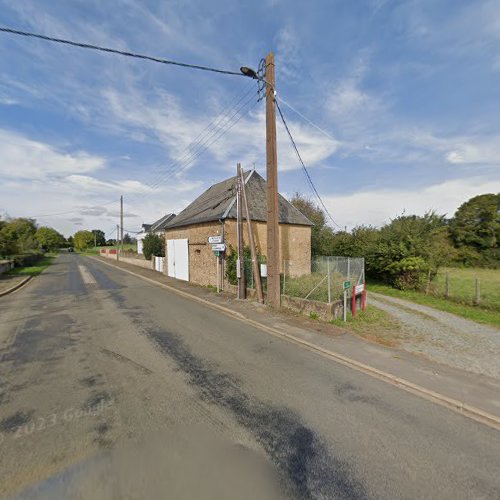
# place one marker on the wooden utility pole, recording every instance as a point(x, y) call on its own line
point(273, 250)
point(121, 224)
point(240, 264)
point(117, 247)
point(255, 262)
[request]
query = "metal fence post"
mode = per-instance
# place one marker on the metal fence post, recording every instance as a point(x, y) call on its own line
point(329, 287)
point(348, 268)
point(478, 292)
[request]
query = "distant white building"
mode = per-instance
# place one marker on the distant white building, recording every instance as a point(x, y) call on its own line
point(157, 227)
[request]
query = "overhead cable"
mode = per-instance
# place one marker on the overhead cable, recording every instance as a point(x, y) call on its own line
point(117, 51)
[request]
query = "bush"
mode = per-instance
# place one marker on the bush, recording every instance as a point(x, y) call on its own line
point(231, 264)
point(153, 245)
point(409, 273)
point(27, 259)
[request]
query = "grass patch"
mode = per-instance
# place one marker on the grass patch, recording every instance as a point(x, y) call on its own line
point(372, 324)
point(314, 286)
point(35, 270)
point(313, 315)
point(462, 286)
point(474, 313)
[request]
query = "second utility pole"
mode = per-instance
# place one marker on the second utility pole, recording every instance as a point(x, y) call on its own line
point(240, 263)
point(273, 249)
point(121, 224)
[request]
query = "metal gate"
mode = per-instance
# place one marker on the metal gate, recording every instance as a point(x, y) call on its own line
point(178, 259)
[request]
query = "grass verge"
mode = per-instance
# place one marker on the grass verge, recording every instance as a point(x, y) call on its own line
point(372, 324)
point(45, 262)
point(474, 313)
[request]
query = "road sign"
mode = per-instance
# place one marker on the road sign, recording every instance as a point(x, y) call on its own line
point(215, 239)
point(347, 285)
point(217, 253)
point(219, 247)
point(359, 289)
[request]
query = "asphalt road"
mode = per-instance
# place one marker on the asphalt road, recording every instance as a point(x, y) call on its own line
point(111, 387)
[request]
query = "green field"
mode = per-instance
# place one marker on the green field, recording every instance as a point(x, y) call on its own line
point(462, 286)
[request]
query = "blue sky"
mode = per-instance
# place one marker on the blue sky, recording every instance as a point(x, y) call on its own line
point(402, 99)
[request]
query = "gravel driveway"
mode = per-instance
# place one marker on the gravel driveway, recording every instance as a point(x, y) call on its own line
point(444, 337)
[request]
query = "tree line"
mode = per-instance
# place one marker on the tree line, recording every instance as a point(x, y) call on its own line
point(23, 236)
point(409, 250)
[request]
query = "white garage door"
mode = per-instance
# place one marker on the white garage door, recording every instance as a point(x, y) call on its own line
point(178, 259)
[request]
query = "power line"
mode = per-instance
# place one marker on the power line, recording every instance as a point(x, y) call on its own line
point(41, 216)
point(119, 52)
point(211, 139)
point(323, 131)
point(204, 135)
point(313, 187)
point(217, 129)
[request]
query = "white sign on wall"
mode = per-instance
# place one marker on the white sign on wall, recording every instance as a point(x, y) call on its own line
point(219, 247)
point(215, 239)
point(359, 289)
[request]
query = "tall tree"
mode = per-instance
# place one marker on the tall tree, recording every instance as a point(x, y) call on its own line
point(49, 239)
point(99, 237)
point(83, 240)
point(477, 223)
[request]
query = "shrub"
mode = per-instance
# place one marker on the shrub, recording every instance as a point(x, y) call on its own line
point(409, 273)
point(153, 245)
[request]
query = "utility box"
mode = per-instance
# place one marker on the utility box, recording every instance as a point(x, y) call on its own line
point(263, 270)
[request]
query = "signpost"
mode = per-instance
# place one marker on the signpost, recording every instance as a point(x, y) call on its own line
point(346, 285)
point(218, 247)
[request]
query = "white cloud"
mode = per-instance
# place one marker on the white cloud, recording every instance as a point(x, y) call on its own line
point(24, 158)
point(378, 206)
point(480, 152)
point(288, 53)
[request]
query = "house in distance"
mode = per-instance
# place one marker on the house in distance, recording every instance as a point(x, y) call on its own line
point(189, 255)
point(157, 227)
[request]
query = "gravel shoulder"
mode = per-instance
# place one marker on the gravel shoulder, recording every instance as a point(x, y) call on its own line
point(444, 337)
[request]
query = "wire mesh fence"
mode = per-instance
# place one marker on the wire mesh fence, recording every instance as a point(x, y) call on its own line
point(326, 280)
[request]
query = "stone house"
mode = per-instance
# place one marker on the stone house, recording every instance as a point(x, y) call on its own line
point(157, 227)
point(189, 256)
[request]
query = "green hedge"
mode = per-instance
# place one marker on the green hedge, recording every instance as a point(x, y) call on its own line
point(26, 259)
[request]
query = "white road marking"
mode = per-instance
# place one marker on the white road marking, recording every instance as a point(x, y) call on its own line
point(87, 278)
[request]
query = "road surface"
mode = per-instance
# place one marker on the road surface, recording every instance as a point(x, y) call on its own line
point(112, 387)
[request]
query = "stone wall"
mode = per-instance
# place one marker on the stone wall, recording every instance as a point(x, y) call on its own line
point(295, 243)
point(111, 254)
point(6, 266)
point(295, 246)
point(324, 311)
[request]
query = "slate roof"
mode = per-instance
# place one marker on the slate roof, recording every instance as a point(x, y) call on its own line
point(161, 224)
point(219, 202)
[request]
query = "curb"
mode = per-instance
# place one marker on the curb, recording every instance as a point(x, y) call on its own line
point(453, 404)
point(16, 287)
